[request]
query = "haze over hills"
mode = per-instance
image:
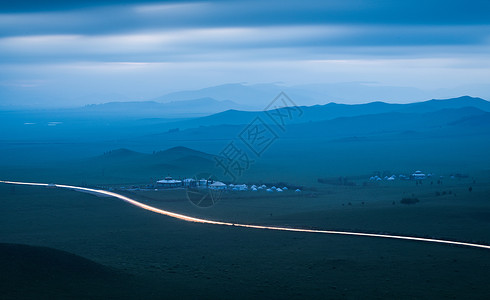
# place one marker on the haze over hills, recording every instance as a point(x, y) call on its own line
point(449, 122)
point(333, 110)
point(326, 140)
point(42, 136)
point(259, 96)
point(117, 120)
point(247, 96)
point(173, 109)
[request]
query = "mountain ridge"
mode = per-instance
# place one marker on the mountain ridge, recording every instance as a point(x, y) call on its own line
point(333, 110)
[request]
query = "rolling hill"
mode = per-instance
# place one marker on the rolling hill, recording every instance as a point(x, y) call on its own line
point(175, 161)
point(82, 137)
point(454, 121)
point(334, 110)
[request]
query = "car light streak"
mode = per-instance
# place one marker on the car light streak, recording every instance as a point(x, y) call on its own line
point(205, 221)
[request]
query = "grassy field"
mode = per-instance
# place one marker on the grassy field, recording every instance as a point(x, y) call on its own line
point(459, 213)
point(162, 257)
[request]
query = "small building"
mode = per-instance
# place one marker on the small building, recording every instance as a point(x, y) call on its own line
point(169, 183)
point(418, 175)
point(203, 183)
point(217, 185)
point(189, 182)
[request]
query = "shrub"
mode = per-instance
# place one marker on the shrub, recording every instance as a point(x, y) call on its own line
point(409, 201)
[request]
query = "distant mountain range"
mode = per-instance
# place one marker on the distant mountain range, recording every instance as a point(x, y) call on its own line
point(173, 109)
point(445, 122)
point(258, 96)
point(333, 110)
point(398, 138)
point(335, 135)
point(117, 120)
point(248, 96)
point(393, 124)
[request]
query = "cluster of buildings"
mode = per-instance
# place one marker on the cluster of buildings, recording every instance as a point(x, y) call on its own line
point(169, 183)
point(417, 175)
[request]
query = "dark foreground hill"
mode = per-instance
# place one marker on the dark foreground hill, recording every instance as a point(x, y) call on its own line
point(29, 272)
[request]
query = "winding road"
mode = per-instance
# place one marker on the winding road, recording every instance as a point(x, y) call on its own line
point(205, 221)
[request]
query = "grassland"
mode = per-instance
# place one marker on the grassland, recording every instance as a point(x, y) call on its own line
point(163, 257)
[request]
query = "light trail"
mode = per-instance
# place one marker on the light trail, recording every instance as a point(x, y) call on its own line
point(205, 221)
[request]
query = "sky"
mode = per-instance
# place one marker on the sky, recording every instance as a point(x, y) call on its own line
point(68, 53)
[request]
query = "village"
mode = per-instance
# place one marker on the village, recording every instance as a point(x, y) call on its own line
point(417, 175)
point(171, 183)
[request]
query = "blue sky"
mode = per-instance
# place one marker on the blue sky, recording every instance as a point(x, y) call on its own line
point(73, 53)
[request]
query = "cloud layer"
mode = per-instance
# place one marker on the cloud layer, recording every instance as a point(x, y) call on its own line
point(392, 42)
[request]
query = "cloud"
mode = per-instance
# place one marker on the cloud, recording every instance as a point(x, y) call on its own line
point(94, 17)
point(185, 31)
point(246, 43)
point(87, 43)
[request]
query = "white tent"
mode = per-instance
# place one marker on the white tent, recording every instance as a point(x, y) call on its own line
point(217, 185)
point(241, 187)
point(418, 175)
point(169, 182)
